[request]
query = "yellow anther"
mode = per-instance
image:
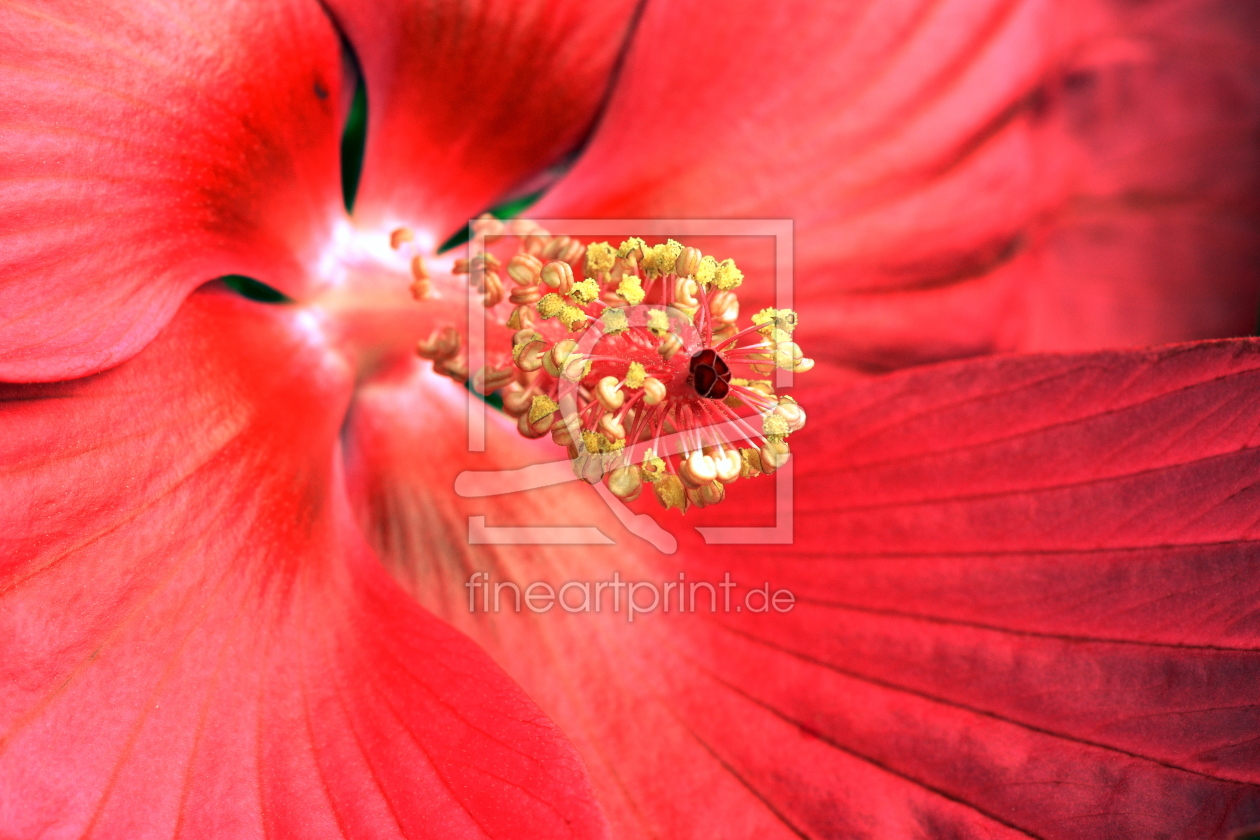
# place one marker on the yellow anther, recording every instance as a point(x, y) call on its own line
point(530, 356)
point(399, 236)
point(492, 288)
point(575, 368)
point(791, 413)
point(557, 275)
point(776, 335)
point(750, 463)
point(685, 290)
point(524, 269)
point(773, 455)
point(635, 375)
point(697, 469)
point(615, 321)
point(670, 345)
point(441, 345)
point(594, 442)
point(653, 467)
point(626, 482)
point(669, 492)
point(564, 248)
point(559, 433)
point(608, 392)
point(612, 428)
point(534, 429)
point(727, 464)
point(550, 306)
point(688, 262)
point(775, 427)
point(630, 289)
point(706, 271)
point(600, 257)
point(658, 322)
point(632, 247)
point(564, 351)
point(516, 401)
point(555, 360)
point(724, 306)
point(653, 391)
point(585, 291)
point(707, 494)
point(521, 318)
point(728, 276)
point(762, 363)
point(661, 259)
point(787, 355)
point(524, 336)
point(772, 319)
point(490, 379)
point(573, 318)
point(589, 467)
point(525, 295)
point(761, 386)
point(540, 406)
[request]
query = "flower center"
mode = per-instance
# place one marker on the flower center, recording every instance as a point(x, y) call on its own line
point(710, 374)
point(630, 368)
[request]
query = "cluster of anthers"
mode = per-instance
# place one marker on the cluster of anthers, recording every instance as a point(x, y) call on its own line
point(631, 367)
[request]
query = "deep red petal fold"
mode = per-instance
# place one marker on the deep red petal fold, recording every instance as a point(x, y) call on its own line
point(964, 176)
point(467, 101)
point(143, 154)
point(1025, 605)
point(197, 642)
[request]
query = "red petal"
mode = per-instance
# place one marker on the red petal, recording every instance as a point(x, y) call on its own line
point(1025, 606)
point(144, 154)
point(964, 176)
point(466, 101)
point(197, 641)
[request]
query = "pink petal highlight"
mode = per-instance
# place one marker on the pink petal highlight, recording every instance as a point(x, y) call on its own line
point(467, 101)
point(197, 640)
point(1024, 607)
point(144, 154)
point(965, 177)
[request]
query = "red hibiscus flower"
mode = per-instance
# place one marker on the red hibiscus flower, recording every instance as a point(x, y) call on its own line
point(233, 584)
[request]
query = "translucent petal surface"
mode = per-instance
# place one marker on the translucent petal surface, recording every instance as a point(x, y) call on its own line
point(196, 640)
point(469, 100)
point(144, 151)
point(1025, 607)
point(963, 176)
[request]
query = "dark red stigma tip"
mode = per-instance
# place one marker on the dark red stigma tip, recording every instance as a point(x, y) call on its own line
point(710, 374)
